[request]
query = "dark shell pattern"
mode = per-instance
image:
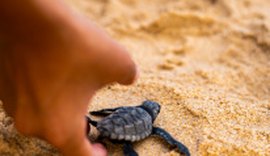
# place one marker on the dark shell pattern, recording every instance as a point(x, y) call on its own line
point(127, 123)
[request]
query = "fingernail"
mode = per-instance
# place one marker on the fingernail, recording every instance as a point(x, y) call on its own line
point(99, 150)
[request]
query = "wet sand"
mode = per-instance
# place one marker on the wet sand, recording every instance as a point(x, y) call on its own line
point(207, 62)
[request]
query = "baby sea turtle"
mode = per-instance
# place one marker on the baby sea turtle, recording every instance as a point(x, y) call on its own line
point(133, 123)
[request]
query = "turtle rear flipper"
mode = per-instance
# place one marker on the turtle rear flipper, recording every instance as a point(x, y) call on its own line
point(165, 135)
point(90, 121)
point(128, 150)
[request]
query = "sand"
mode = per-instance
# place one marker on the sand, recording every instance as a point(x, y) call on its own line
point(205, 61)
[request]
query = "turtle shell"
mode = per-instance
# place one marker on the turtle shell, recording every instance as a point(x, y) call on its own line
point(127, 123)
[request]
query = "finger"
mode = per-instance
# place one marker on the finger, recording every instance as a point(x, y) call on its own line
point(119, 65)
point(124, 68)
point(106, 58)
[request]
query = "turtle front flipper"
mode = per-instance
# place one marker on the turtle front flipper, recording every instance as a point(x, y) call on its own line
point(165, 135)
point(90, 121)
point(128, 149)
point(104, 112)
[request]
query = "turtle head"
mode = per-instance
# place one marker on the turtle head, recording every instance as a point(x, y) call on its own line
point(153, 108)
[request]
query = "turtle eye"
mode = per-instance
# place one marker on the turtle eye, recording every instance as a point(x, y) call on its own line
point(158, 109)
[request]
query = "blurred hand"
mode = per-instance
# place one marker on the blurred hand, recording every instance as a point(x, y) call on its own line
point(51, 64)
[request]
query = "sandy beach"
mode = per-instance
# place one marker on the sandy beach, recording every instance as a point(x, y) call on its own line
point(207, 62)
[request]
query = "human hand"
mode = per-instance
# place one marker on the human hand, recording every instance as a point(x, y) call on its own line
point(50, 68)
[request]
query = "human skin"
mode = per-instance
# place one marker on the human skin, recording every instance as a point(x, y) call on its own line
point(52, 61)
